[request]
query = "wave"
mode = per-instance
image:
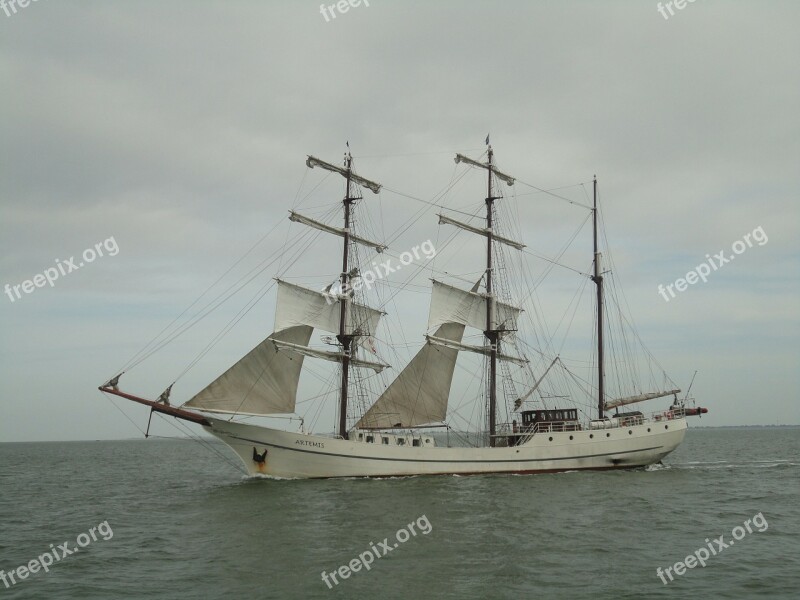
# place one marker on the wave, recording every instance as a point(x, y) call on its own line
point(747, 464)
point(658, 467)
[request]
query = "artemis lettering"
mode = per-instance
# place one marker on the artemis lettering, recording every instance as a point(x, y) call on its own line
point(309, 443)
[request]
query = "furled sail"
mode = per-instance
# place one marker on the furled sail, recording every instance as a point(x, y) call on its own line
point(443, 220)
point(453, 305)
point(639, 398)
point(298, 218)
point(419, 394)
point(312, 162)
point(325, 355)
point(460, 158)
point(263, 382)
point(485, 350)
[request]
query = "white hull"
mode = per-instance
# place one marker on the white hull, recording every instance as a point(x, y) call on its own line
point(299, 455)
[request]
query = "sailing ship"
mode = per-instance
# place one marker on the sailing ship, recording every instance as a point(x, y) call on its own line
point(394, 433)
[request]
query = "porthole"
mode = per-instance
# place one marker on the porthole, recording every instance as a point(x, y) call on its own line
point(666, 426)
point(570, 437)
point(608, 435)
point(630, 432)
point(591, 436)
point(648, 430)
point(550, 438)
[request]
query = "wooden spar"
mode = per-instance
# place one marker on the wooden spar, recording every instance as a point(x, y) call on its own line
point(402, 427)
point(178, 413)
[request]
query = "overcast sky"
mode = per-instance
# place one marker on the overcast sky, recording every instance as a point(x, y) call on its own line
point(180, 130)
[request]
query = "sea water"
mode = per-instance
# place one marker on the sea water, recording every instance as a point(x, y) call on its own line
point(184, 523)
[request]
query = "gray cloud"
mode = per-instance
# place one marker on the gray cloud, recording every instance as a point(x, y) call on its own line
point(181, 129)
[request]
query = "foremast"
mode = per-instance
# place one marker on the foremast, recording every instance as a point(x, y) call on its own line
point(344, 337)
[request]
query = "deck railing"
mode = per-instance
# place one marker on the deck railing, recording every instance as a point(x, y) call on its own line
point(612, 422)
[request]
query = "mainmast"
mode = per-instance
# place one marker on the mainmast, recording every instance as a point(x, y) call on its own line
point(491, 329)
point(344, 339)
point(598, 280)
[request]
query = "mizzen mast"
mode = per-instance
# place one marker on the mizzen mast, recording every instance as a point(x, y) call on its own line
point(598, 280)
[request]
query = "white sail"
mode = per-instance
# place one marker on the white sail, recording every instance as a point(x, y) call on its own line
point(301, 306)
point(419, 394)
point(263, 382)
point(453, 305)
